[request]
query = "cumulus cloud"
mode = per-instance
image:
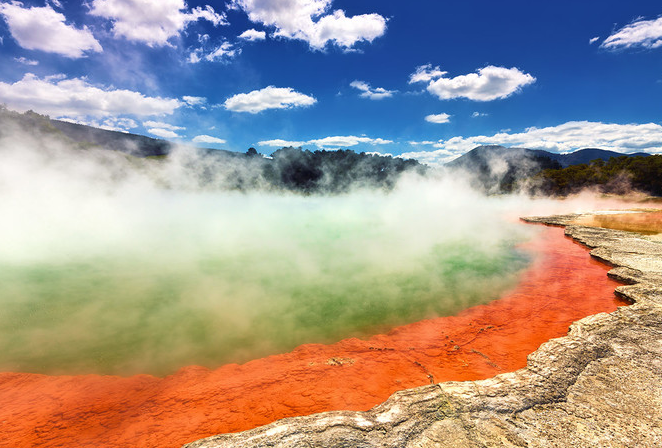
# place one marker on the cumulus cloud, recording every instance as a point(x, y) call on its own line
point(120, 124)
point(376, 93)
point(426, 73)
point(75, 97)
point(438, 118)
point(479, 114)
point(312, 22)
point(152, 22)
point(163, 133)
point(424, 142)
point(566, 137)
point(26, 61)
point(268, 98)
point(193, 101)
point(253, 35)
point(280, 143)
point(334, 142)
point(162, 125)
point(207, 139)
point(347, 141)
point(487, 84)
point(640, 33)
point(221, 53)
point(43, 28)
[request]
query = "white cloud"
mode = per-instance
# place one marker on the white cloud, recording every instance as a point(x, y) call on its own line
point(640, 33)
point(163, 133)
point(193, 101)
point(424, 142)
point(152, 22)
point(26, 61)
point(345, 141)
point(376, 93)
point(479, 114)
point(162, 125)
point(489, 83)
point(565, 137)
point(120, 124)
point(268, 98)
point(593, 40)
point(280, 143)
point(221, 53)
point(75, 97)
point(432, 158)
point(346, 31)
point(334, 142)
point(312, 22)
point(208, 139)
point(253, 35)
point(43, 28)
point(426, 73)
point(438, 118)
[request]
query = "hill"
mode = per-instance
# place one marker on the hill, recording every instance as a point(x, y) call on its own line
point(84, 136)
point(587, 155)
point(618, 175)
point(188, 167)
point(498, 169)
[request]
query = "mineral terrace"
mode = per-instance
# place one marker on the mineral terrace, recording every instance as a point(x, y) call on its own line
point(599, 386)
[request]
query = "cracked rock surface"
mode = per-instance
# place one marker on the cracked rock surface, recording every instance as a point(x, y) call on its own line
point(599, 386)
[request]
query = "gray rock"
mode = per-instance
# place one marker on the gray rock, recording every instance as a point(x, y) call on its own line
point(599, 386)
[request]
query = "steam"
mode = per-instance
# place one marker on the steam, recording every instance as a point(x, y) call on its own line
point(113, 264)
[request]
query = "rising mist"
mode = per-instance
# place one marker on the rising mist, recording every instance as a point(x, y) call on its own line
point(114, 264)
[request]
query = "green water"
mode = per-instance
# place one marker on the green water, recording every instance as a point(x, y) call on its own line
point(127, 315)
point(127, 277)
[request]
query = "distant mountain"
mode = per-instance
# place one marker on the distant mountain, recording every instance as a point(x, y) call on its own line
point(495, 168)
point(587, 155)
point(482, 155)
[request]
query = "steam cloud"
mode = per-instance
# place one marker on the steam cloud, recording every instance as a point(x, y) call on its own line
point(114, 264)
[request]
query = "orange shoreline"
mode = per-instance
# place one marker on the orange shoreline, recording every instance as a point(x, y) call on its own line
point(562, 285)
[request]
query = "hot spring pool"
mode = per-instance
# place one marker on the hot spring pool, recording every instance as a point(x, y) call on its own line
point(209, 279)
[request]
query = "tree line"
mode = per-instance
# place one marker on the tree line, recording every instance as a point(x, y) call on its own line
point(618, 175)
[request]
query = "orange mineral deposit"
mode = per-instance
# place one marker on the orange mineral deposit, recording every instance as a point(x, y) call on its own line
point(563, 284)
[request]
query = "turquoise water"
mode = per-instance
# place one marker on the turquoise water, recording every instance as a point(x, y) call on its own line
point(237, 278)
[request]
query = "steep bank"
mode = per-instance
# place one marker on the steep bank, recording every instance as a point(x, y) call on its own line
point(601, 385)
point(145, 411)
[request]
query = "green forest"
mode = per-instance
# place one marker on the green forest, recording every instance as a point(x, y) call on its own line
point(618, 175)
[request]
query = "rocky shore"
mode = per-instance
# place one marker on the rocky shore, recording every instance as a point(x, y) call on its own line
point(599, 386)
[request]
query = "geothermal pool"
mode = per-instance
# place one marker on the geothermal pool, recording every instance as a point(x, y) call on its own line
point(560, 285)
point(216, 287)
point(137, 315)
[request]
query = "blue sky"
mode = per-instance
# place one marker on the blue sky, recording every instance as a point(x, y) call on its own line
point(423, 79)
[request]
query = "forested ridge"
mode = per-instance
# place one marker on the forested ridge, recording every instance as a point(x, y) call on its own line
point(617, 175)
